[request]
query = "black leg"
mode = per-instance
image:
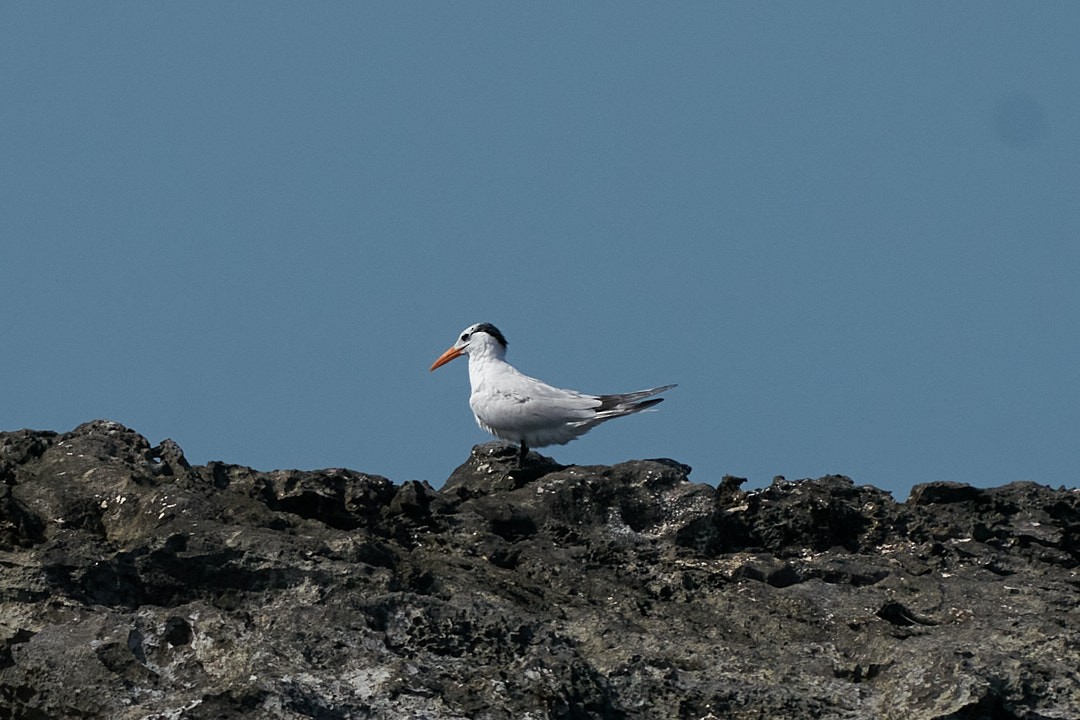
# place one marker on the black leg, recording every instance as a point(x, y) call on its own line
point(522, 452)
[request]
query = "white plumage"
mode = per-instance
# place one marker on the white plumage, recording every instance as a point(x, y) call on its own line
point(513, 406)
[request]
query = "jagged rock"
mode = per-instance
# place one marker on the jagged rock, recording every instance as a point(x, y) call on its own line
point(134, 585)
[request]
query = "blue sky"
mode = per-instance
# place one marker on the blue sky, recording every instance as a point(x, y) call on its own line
point(849, 231)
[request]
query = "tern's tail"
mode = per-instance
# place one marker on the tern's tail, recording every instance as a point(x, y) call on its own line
point(626, 403)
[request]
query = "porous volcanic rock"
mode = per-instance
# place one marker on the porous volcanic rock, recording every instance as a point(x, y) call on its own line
point(134, 585)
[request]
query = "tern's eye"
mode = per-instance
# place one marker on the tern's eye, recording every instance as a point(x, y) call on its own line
point(464, 337)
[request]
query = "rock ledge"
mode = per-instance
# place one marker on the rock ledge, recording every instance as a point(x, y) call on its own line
point(134, 585)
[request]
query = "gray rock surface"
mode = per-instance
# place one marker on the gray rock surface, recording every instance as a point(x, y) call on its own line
point(133, 585)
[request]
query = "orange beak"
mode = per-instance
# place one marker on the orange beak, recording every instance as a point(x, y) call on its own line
point(446, 357)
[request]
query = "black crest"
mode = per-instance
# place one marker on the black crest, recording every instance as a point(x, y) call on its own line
point(492, 331)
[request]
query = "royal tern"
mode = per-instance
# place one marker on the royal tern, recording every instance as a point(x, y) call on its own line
point(513, 406)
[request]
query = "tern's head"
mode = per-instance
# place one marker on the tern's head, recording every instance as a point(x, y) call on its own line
point(478, 338)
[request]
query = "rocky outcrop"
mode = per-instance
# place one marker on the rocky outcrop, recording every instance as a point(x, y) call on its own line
point(133, 585)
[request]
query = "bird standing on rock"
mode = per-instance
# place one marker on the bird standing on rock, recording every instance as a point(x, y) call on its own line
point(513, 406)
